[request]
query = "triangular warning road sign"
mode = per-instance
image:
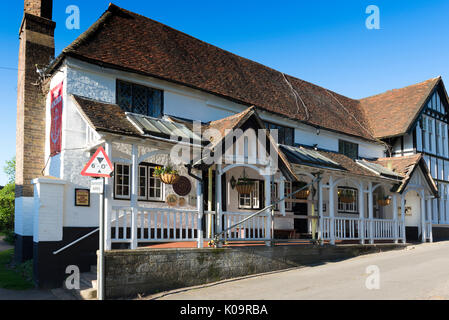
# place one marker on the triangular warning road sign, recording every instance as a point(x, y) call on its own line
point(99, 166)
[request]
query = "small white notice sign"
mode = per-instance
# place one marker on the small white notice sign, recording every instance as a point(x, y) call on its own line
point(96, 186)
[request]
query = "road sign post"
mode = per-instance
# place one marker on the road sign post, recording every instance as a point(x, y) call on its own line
point(99, 166)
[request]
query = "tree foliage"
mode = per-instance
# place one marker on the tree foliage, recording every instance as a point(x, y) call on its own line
point(7, 198)
point(10, 170)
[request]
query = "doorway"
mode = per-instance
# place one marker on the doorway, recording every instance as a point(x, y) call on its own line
point(301, 225)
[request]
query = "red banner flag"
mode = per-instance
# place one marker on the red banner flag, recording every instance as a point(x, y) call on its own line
point(56, 120)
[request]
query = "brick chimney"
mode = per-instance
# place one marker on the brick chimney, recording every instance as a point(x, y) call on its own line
point(37, 48)
point(41, 8)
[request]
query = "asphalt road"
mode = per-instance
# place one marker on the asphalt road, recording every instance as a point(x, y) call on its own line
point(419, 272)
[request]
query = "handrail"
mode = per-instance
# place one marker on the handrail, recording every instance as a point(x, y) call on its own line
point(76, 241)
point(217, 235)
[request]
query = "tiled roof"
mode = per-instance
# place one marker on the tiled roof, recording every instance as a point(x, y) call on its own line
point(405, 166)
point(348, 164)
point(326, 160)
point(105, 117)
point(127, 41)
point(393, 112)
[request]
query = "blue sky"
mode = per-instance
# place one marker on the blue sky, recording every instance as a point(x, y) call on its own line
point(324, 42)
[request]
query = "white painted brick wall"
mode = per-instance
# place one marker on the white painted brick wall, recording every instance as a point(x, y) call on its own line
point(48, 210)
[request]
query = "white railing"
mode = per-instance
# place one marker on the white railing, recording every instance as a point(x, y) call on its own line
point(354, 228)
point(154, 225)
point(325, 228)
point(429, 231)
point(347, 228)
point(252, 229)
point(383, 229)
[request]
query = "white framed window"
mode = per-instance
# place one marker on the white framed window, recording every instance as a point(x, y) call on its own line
point(344, 207)
point(155, 186)
point(122, 181)
point(424, 133)
point(430, 130)
point(437, 136)
point(252, 200)
point(149, 188)
point(143, 182)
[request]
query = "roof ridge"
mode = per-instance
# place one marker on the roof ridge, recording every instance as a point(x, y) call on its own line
point(396, 89)
point(227, 51)
point(418, 155)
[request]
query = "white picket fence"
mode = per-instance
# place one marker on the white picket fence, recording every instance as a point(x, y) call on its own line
point(354, 228)
point(172, 225)
point(252, 229)
point(153, 225)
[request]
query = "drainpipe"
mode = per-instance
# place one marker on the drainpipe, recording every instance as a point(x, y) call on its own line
point(200, 205)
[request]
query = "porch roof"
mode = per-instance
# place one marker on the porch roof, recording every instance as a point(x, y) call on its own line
point(112, 119)
point(328, 160)
point(406, 166)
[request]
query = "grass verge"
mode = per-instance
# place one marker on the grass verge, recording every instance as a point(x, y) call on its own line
point(15, 277)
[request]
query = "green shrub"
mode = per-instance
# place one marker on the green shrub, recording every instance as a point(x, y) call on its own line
point(7, 197)
point(15, 277)
point(10, 237)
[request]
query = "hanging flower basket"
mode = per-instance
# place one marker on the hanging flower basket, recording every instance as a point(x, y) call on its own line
point(347, 199)
point(169, 178)
point(384, 202)
point(167, 174)
point(346, 196)
point(244, 186)
point(303, 194)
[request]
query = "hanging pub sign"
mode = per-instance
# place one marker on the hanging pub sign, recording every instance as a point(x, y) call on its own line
point(56, 119)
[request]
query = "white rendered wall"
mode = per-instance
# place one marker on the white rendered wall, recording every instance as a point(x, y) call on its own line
point(23, 217)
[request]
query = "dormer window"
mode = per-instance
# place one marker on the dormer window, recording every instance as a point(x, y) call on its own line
point(139, 99)
point(349, 149)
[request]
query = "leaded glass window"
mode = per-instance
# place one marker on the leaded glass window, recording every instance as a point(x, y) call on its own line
point(139, 99)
